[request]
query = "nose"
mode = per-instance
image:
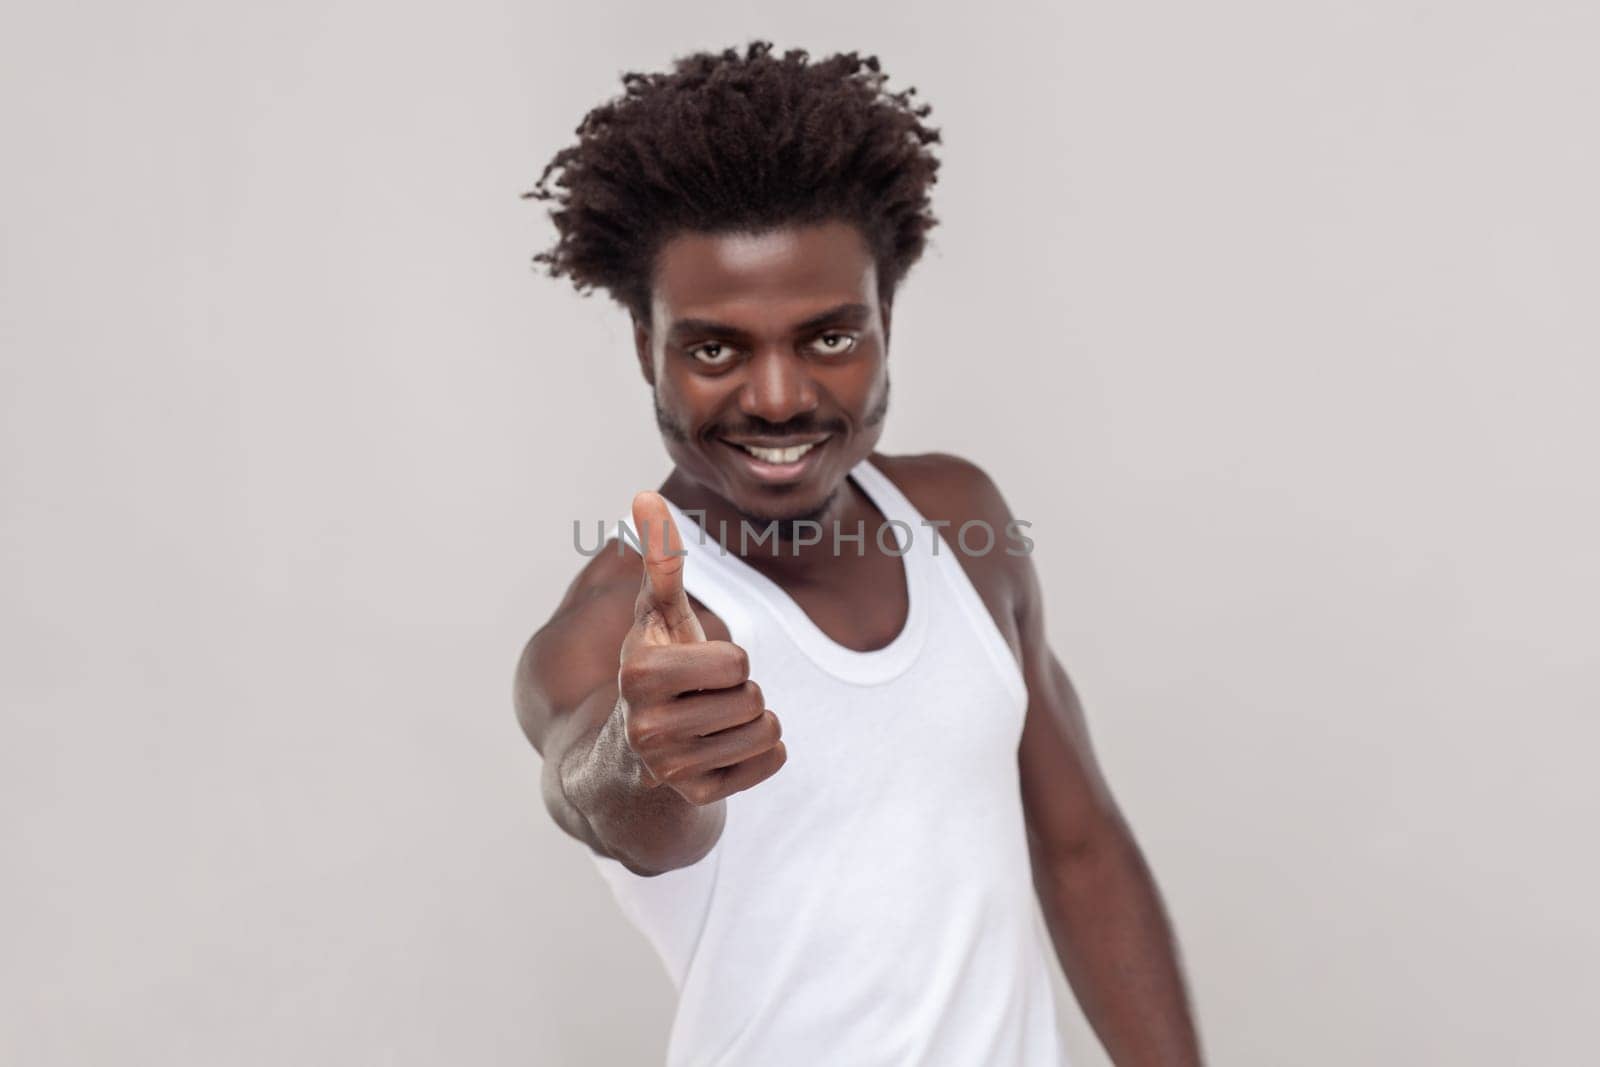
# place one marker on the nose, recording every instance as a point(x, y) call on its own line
point(777, 387)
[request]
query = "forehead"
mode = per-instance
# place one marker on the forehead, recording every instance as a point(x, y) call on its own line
point(781, 270)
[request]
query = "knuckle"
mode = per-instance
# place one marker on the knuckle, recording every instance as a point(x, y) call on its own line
point(642, 729)
point(633, 676)
point(637, 739)
point(741, 661)
point(773, 726)
point(751, 691)
point(698, 792)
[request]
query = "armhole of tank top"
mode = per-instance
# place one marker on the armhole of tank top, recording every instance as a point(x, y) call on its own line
point(878, 485)
point(639, 897)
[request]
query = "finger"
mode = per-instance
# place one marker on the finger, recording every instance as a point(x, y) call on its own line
point(753, 771)
point(662, 598)
point(727, 748)
point(681, 724)
point(700, 715)
point(651, 673)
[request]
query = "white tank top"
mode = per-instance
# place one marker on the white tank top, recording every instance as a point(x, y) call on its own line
point(870, 904)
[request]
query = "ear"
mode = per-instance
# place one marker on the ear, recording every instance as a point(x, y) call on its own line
point(641, 349)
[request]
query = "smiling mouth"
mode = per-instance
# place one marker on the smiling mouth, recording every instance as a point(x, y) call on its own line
point(790, 454)
point(778, 461)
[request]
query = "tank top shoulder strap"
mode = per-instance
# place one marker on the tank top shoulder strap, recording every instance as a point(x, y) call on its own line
point(886, 496)
point(934, 552)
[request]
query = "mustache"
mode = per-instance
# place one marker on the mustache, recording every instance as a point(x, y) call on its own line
point(803, 426)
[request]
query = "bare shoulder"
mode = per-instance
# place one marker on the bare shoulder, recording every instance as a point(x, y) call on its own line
point(578, 647)
point(946, 487)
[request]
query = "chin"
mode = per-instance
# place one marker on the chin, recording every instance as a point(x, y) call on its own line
point(812, 507)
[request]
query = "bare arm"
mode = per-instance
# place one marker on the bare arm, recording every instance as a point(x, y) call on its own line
point(1097, 894)
point(645, 726)
point(1098, 897)
point(591, 780)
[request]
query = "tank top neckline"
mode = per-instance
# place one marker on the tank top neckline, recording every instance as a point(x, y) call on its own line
point(869, 667)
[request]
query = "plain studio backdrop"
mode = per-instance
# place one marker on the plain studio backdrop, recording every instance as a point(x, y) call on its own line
point(1278, 322)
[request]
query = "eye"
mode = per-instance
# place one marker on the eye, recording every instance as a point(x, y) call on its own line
point(836, 344)
point(712, 354)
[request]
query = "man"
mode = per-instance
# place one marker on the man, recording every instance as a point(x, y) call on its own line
point(813, 734)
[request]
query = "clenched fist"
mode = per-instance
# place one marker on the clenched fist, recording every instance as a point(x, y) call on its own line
point(692, 716)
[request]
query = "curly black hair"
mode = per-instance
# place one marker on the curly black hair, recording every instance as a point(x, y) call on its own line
point(726, 142)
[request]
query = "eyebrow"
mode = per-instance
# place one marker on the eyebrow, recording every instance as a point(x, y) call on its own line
point(855, 312)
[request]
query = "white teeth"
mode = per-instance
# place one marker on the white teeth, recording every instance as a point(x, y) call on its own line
point(778, 455)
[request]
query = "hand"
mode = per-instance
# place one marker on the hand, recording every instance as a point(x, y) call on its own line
point(692, 717)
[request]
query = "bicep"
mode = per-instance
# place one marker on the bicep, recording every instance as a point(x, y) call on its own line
point(1065, 797)
point(563, 668)
point(565, 687)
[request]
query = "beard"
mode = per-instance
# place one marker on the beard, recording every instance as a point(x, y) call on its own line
point(788, 526)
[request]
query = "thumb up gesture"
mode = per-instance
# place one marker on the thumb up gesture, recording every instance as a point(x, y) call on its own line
point(694, 719)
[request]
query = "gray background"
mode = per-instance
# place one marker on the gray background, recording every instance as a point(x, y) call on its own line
point(1277, 320)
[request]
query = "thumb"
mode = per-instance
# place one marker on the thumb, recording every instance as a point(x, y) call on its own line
point(663, 606)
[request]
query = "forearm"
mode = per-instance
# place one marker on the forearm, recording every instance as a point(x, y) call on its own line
point(594, 792)
point(1117, 949)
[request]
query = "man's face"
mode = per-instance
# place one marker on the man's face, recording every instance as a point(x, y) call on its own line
point(767, 353)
